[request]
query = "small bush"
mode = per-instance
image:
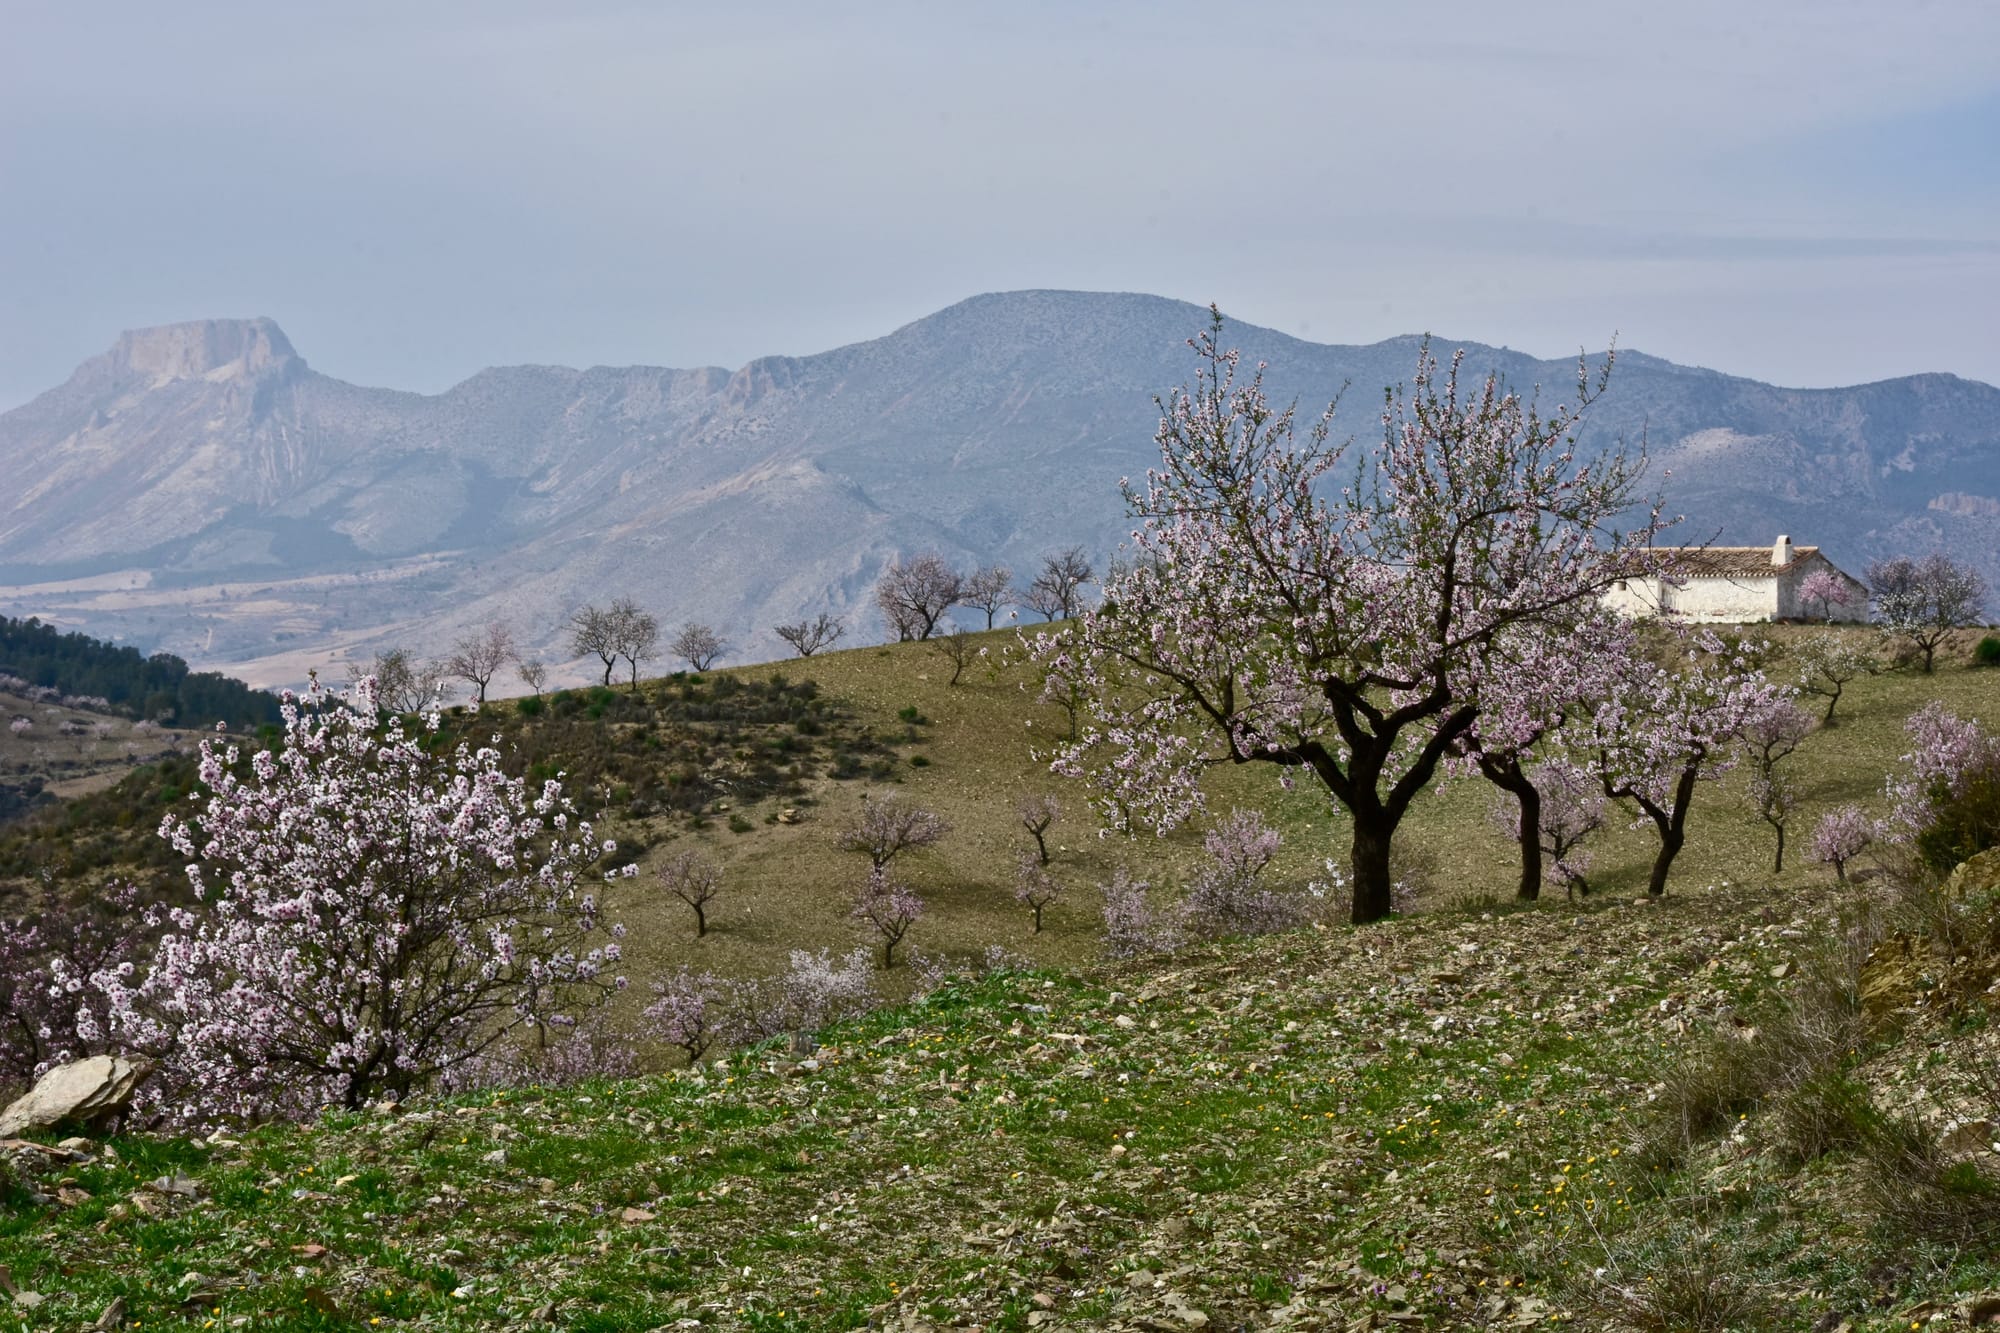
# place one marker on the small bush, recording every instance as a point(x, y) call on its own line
point(1690, 1285)
point(529, 705)
point(738, 824)
point(911, 715)
point(1987, 652)
point(1963, 823)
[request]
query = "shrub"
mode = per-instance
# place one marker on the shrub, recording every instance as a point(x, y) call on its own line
point(1986, 652)
point(1962, 823)
point(529, 705)
point(815, 990)
point(46, 1005)
point(1133, 927)
point(1227, 896)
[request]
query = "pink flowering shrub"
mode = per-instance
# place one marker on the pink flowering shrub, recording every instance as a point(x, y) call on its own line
point(815, 990)
point(1227, 895)
point(1842, 834)
point(691, 1010)
point(369, 913)
point(1946, 800)
point(1133, 925)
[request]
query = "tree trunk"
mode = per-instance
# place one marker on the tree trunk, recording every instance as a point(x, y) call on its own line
point(700, 921)
point(607, 672)
point(1670, 847)
point(1778, 864)
point(1371, 867)
point(1508, 776)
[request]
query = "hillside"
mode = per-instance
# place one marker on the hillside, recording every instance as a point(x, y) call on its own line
point(201, 488)
point(1446, 1123)
point(1698, 1113)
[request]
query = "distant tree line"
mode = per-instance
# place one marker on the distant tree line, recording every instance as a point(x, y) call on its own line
point(160, 687)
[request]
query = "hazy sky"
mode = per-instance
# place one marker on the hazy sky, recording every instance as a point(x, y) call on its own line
point(1804, 192)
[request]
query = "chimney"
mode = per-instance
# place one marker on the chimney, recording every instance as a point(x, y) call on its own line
point(1781, 552)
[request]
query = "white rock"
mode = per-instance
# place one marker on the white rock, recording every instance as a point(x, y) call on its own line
point(81, 1092)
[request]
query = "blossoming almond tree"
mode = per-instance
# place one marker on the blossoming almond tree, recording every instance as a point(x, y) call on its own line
point(1664, 727)
point(1311, 606)
point(370, 911)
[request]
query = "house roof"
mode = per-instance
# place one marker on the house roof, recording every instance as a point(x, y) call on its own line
point(1731, 562)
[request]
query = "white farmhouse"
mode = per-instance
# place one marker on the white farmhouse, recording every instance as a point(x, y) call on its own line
point(1736, 584)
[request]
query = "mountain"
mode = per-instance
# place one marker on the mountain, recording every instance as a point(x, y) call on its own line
point(202, 489)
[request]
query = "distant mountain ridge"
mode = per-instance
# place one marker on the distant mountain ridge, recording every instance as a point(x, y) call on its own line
point(201, 488)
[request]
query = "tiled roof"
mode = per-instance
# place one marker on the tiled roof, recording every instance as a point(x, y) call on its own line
point(1731, 562)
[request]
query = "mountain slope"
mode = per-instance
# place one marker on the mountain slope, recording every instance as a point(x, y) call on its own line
point(202, 487)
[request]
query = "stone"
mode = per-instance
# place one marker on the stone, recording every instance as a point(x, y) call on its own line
point(81, 1093)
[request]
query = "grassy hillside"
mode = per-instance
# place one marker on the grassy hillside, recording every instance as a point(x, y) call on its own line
point(1689, 1114)
point(1436, 1123)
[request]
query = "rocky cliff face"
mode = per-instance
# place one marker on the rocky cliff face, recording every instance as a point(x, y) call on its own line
point(200, 489)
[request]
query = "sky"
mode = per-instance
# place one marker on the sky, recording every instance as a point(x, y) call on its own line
point(1802, 191)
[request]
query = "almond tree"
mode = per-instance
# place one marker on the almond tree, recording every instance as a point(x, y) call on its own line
point(637, 636)
point(1842, 834)
point(913, 595)
point(1828, 661)
point(888, 827)
point(370, 911)
point(1924, 601)
point(477, 658)
point(1311, 606)
point(989, 588)
point(1037, 815)
point(696, 881)
point(1057, 591)
point(890, 908)
point(1537, 676)
point(810, 636)
point(1825, 589)
point(597, 631)
point(1663, 728)
point(1034, 887)
point(533, 674)
point(698, 645)
point(1767, 742)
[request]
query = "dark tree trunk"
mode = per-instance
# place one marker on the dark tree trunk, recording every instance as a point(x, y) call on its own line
point(1507, 774)
point(1778, 862)
point(1372, 884)
point(700, 921)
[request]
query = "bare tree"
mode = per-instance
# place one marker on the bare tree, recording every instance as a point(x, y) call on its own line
point(638, 635)
point(696, 881)
point(888, 827)
point(1038, 814)
point(810, 636)
point(1923, 601)
point(533, 674)
point(698, 645)
point(990, 588)
point(403, 684)
point(955, 647)
point(914, 595)
point(1057, 592)
point(478, 657)
point(596, 630)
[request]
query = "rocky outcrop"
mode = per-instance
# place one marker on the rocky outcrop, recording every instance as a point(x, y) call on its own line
point(80, 1094)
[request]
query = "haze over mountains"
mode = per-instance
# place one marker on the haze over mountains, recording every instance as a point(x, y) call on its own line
point(200, 489)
